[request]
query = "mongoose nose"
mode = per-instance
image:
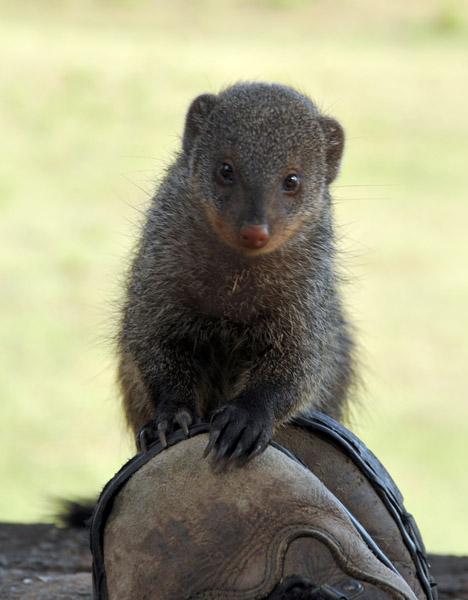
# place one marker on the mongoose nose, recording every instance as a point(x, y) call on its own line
point(254, 236)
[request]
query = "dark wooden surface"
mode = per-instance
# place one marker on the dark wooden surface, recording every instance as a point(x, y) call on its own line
point(43, 562)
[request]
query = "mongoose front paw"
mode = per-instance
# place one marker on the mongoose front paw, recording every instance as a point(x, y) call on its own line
point(238, 434)
point(166, 420)
point(163, 424)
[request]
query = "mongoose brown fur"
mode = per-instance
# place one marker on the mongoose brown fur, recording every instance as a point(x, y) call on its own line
point(232, 311)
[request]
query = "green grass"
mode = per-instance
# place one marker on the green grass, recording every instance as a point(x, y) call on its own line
point(92, 102)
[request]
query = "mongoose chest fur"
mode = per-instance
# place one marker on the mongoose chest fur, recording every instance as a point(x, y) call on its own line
point(232, 310)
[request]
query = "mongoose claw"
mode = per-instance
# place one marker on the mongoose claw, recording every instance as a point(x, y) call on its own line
point(236, 437)
point(214, 435)
point(146, 436)
point(261, 445)
point(184, 418)
point(163, 428)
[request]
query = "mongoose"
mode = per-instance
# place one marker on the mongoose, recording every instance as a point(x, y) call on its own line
point(232, 311)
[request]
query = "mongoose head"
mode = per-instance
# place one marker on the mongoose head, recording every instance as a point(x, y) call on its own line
point(261, 158)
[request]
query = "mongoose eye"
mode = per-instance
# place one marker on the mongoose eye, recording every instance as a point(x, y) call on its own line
point(291, 182)
point(226, 173)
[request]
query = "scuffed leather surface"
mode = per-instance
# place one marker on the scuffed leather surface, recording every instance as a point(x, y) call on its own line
point(344, 479)
point(178, 530)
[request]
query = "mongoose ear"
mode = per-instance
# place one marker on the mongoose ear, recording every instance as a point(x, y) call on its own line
point(334, 145)
point(196, 116)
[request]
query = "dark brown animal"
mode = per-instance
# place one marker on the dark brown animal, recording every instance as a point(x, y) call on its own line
point(232, 311)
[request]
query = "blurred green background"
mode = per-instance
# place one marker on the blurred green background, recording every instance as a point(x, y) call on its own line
point(92, 102)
